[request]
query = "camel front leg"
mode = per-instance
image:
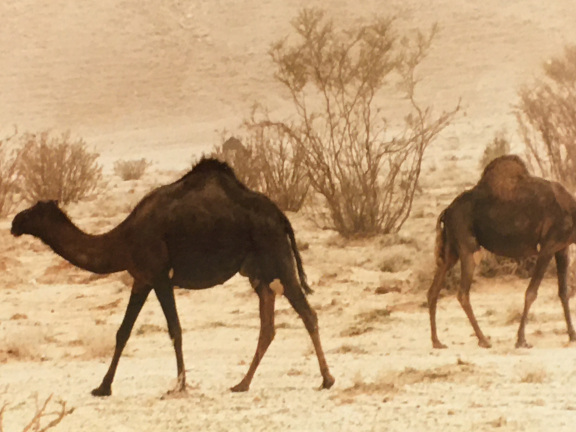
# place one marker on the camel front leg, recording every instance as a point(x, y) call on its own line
point(562, 261)
point(165, 294)
point(531, 293)
point(137, 299)
point(267, 332)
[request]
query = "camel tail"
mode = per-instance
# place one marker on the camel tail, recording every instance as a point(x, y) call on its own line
point(301, 274)
point(440, 247)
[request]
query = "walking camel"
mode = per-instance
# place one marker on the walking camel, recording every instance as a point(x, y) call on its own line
point(510, 213)
point(195, 233)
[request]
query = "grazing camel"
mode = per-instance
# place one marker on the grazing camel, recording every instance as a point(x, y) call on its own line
point(195, 233)
point(512, 214)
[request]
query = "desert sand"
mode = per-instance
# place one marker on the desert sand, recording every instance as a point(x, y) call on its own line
point(163, 80)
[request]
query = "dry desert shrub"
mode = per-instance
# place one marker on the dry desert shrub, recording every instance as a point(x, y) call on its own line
point(499, 146)
point(131, 169)
point(8, 175)
point(546, 115)
point(366, 175)
point(56, 167)
point(42, 419)
point(268, 160)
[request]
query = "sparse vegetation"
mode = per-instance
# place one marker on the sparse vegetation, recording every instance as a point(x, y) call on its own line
point(546, 115)
point(533, 376)
point(499, 146)
point(8, 175)
point(39, 421)
point(268, 161)
point(56, 168)
point(131, 169)
point(367, 178)
point(22, 345)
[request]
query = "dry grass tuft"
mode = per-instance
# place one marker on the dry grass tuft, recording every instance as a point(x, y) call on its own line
point(23, 345)
point(349, 349)
point(97, 342)
point(390, 382)
point(145, 329)
point(533, 376)
point(39, 421)
point(374, 316)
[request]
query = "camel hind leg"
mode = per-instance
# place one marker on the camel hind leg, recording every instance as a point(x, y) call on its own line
point(531, 293)
point(467, 270)
point(299, 302)
point(267, 332)
point(562, 261)
point(439, 277)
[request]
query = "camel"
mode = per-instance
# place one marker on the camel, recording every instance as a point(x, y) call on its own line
point(194, 233)
point(509, 213)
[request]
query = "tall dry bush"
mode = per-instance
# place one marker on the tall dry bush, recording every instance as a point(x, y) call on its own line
point(268, 161)
point(366, 175)
point(56, 167)
point(8, 175)
point(546, 116)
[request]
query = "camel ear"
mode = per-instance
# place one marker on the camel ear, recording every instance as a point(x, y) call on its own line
point(54, 203)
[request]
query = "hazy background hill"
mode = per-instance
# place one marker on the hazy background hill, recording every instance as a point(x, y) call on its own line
point(151, 75)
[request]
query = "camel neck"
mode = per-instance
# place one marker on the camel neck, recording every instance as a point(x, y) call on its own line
point(95, 253)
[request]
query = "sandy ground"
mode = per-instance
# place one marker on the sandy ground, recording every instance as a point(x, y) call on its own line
point(160, 80)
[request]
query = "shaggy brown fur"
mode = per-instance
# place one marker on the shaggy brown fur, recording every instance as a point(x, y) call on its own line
point(195, 233)
point(513, 214)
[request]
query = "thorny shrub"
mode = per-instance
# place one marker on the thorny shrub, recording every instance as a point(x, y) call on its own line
point(546, 115)
point(39, 421)
point(499, 146)
point(131, 169)
point(268, 161)
point(334, 77)
point(8, 175)
point(56, 167)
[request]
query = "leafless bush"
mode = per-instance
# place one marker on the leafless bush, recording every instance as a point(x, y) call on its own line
point(546, 116)
point(499, 146)
point(131, 169)
point(8, 177)
point(40, 415)
point(367, 180)
point(495, 265)
point(268, 161)
point(241, 158)
point(56, 167)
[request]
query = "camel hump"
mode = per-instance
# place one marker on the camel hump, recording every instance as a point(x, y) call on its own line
point(208, 165)
point(503, 175)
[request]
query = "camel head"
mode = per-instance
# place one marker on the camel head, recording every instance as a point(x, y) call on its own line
point(34, 220)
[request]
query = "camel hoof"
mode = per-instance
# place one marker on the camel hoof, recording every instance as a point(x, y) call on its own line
point(102, 391)
point(523, 344)
point(327, 382)
point(239, 388)
point(484, 344)
point(176, 393)
point(438, 345)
